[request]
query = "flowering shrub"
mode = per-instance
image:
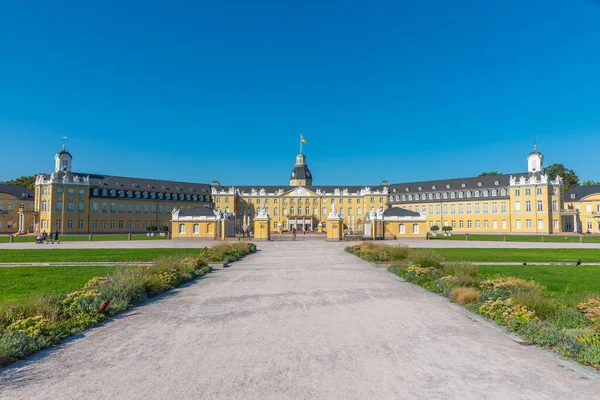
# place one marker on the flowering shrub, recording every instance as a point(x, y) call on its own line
point(92, 283)
point(419, 271)
point(504, 311)
point(508, 283)
point(83, 301)
point(32, 326)
point(590, 340)
point(591, 309)
point(450, 281)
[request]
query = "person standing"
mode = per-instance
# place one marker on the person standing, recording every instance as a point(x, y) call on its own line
point(56, 236)
point(44, 237)
point(294, 233)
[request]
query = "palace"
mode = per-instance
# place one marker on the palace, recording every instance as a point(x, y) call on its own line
point(528, 202)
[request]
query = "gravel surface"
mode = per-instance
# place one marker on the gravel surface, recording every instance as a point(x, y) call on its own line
point(297, 320)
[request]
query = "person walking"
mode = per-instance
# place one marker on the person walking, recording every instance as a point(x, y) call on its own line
point(44, 237)
point(294, 233)
point(56, 236)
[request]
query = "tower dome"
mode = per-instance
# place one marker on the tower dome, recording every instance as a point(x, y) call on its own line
point(300, 175)
point(63, 160)
point(535, 161)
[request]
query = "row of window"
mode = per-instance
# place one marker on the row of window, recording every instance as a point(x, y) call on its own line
point(306, 211)
point(299, 200)
point(415, 229)
point(151, 195)
point(538, 191)
point(59, 190)
point(103, 224)
point(448, 195)
point(477, 207)
point(486, 224)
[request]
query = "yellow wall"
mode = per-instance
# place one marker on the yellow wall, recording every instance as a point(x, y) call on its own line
point(9, 213)
point(392, 230)
point(589, 212)
point(206, 229)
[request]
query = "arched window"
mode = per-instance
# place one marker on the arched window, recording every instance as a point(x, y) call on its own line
point(403, 197)
point(299, 210)
point(503, 192)
point(437, 196)
point(43, 205)
point(468, 193)
point(291, 210)
point(410, 197)
point(307, 211)
point(453, 195)
point(181, 228)
point(415, 228)
point(461, 195)
point(430, 196)
point(494, 192)
point(477, 193)
point(196, 229)
point(445, 195)
point(486, 193)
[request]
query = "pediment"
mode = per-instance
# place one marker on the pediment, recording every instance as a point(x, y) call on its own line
point(300, 192)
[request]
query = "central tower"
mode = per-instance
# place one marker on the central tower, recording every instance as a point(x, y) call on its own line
point(300, 175)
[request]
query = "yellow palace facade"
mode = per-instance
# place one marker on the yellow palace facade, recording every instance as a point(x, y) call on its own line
point(523, 203)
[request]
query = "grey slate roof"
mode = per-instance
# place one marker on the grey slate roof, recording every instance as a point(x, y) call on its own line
point(18, 191)
point(146, 185)
point(300, 172)
point(581, 192)
point(198, 212)
point(399, 212)
point(286, 188)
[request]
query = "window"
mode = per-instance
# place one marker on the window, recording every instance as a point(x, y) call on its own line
point(59, 190)
point(70, 205)
point(128, 224)
point(453, 224)
point(120, 224)
point(494, 192)
point(437, 208)
point(461, 224)
point(137, 209)
point(307, 210)
point(145, 208)
point(445, 208)
point(528, 205)
point(415, 229)
point(540, 205)
point(518, 224)
point(104, 207)
point(276, 212)
point(430, 209)
point(540, 224)
point(528, 224)
point(494, 207)
point(503, 224)
point(477, 193)
point(538, 191)
point(342, 212)
point(469, 224)
point(323, 211)
point(485, 208)
point(81, 206)
point(181, 229)
point(478, 224)
point(94, 224)
point(460, 195)
point(372, 199)
point(80, 224)
point(58, 205)
point(113, 207)
point(43, 206)
point(129, 208)
point(554, 205)
point(503, 207)
point(349, 211)
point(291, 211)
point(196, 229)
point(527, 192)
point(477, 208)
point(517, 206)
point(70, 224)
point(59, 224)
point(461, 209)
point(469, 208)
point(401, 229)
point(555, 224)
point(453, 209)
point(137, 224)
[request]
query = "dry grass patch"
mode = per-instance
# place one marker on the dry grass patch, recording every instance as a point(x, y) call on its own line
point(465, 295)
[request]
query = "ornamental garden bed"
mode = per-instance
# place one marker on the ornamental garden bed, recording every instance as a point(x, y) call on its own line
point(564, 317)
point(36, 322)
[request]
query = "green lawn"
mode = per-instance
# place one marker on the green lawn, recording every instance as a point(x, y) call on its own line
point(522, 255)
point(520, 238)
point(558, 280)
point(88, 255)
point(85, 238)
point(21, 282)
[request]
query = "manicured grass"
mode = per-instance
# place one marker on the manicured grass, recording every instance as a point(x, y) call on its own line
point(557, 238)
point(557, 279)
point(88, 255)
point(522, 255)
point(21, 282)
point(85, 238)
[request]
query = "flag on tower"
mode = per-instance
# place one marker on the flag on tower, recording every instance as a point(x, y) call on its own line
point(302, 139)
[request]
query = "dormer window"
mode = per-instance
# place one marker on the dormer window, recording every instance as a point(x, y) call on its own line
point(496, 183)
point(434, 187)
point(104, 192)
point(464, 185)
point(573, 196)
point(420, 188)
point(447, 186)
point(478, 183)
point(407, 189)
point(95, 192)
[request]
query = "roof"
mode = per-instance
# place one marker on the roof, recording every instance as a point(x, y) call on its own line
point(17, 191)
point(62, 152)
point(148, 185)
point(286, 188)
point(400, 212)
point(582, 191)
point(198, 212)
point(301, 172)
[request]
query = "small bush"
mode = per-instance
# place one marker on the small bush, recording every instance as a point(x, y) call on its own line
point(465, 273)
point(509, 283)
point(426, 258)
point(591, 309)
point(46, 306)
point(535, 301)
point(465, 295)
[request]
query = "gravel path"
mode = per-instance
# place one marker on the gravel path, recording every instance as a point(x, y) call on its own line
point(300, 320)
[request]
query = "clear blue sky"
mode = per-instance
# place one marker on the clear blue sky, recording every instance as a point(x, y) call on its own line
point(408, 90)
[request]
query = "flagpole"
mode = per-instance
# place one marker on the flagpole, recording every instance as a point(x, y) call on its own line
point(300, 143)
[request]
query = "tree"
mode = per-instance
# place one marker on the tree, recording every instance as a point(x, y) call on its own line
point(590, 183)
point(27, 181)
point(491, 173)
point(570, 178)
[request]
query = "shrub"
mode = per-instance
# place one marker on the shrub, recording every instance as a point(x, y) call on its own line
point(535, 301)
point(426, 258)
point(503, 311)
point(464, 273)
point(591, 309)
point(569, 318)
point(46, 306)
point(509, 283)
point(465, 295)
